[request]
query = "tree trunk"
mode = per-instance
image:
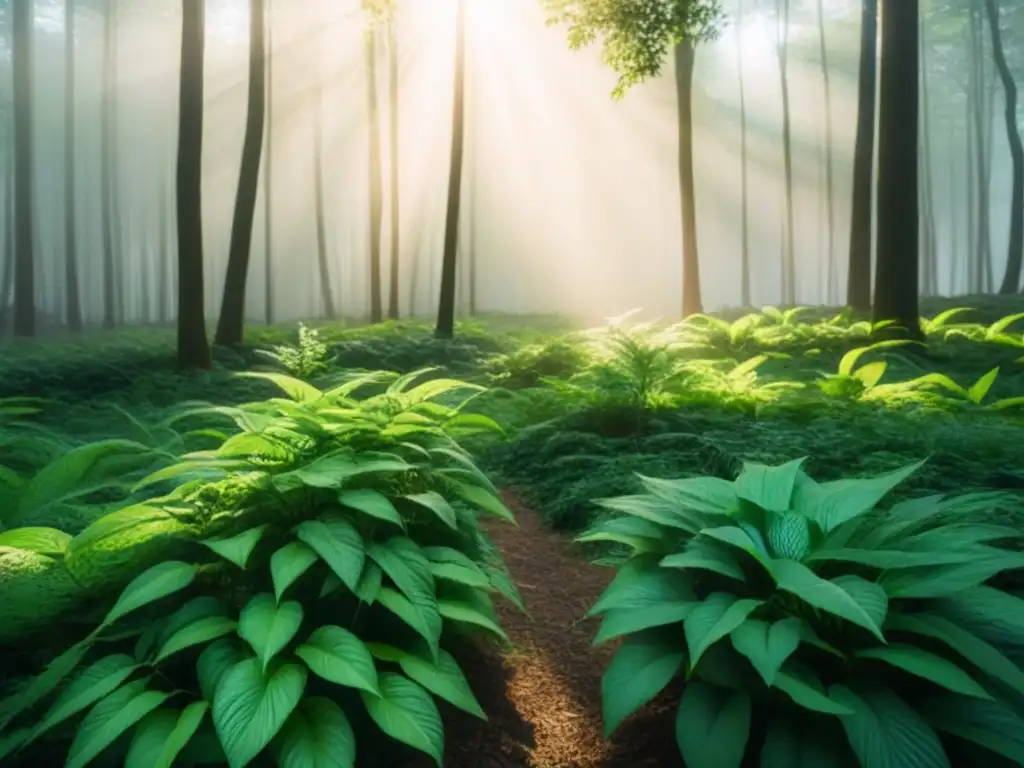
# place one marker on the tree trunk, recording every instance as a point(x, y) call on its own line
point(685, 58)
point(193, 348)
point(445, 328)
point(896, 279)
point(72, 299)
point(1015, 255)
point(745, 206)
point(929, 265)
point(268, 177)
point(830, 200)
point(164, 255)
point(393, 98)
point(106, 171)
point(231, 326)
point(789, 256)
point(7, 278)
point(24, 185)
point(326, 295)
point(982, 233)
point(954, 221)
point(858, 289)
point(376, 177)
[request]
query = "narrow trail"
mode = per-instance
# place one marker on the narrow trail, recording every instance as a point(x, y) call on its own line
point(544, 698)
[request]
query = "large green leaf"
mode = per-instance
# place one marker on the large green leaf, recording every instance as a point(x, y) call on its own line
point(239, 547)
point(372, 503)
point(339, 545)
point(634, 532)
point(770, 488)
point(163, 734)
point(317, 735)
point(442, 678)
point(801, 581)
point(337, 655)
point(655, 599)
point(885, 732)
point(641, 668)
point(288, 563)
point(889, 559)
point(484, 499)
point(202, 630)
point(832, 504)
point(268, 626)
point(991, 614)
point(427, 623)
point(437, 504)
point(112, 716)
point(471, 613)
point(807, 691)
point(707, 495)
point(250, 707)
point(214, 662)
point(789, 746)
point(296, 389)
point(767, 646)
point(43, 541)
point(990, 724)
point(712, 726)
point(950, 580)
point(716, 617)
point(42, 684)
point(705, 558)
point(406, 713)
point(928, 666)
point(159, 581)
point(89, 686)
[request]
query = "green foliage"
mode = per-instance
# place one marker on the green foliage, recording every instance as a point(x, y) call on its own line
point(326, 551)
point(305, 360)
point(811, 627)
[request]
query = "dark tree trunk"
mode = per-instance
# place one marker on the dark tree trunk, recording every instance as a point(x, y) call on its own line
point(326, 295)
point(106, 171)
point(231, 326)
point(858, 289)
point(789, 255)
point(445, 328)
point(164, 253)
point(193, 348)
point(982, 243)
point(685, 57)
point(954, 221)
point(896, 279)
point(830, 201)
point(929, 260)
point(72, 297)
point(7, 278)
point(376, 177)
point(24, 187)
point(745, 214)
point(268, 178)
point(393, 98)
point(1015, 255)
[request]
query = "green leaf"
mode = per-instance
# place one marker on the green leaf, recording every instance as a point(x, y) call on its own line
point(467, 613)
point(296, 389)
point(644, 664)
point(787, 746)
point(250, 707)
point(317, 735)
point(427, 623)
point(484, 499)
point(980, 388)
point(950, 580)
point(437, 504)
point(655, 599)
point(370, 582)
point(740, 539)
point(707, 560)
point(88, 687)
point(337, 655)
point(163, 734)
point(237, 548)
point(981, 654)
point(339, 545)
point(767, 646)
point(372, 503)
point(43, 541)
point(198, 632)
point(716, 617)
point(989, 724)
point(928, 666)
point(885, 732)
point(442, 678)
point(707, 495)
point(869, 595)
point(634, 532)
point(403, 562)
point(214, 662)
point(808, 692)
point(799, 580)
point(159, 581)
point(42, 684)
point(770, 488)
point(269, 627)
point(712, 726)
point(458, 574)
point(112, 716)
point(641, 581)
point(288, 563)
point(406, 713)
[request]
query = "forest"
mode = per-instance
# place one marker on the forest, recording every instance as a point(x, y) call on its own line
point(511, 383)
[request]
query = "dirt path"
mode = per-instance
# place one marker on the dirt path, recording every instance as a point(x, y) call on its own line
point(544, 699)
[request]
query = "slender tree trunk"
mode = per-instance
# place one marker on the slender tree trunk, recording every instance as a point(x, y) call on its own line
point(72, 300)
point(231, 326)
point(164, 254)
point(193, 348)
point(789, 256)
point(973, 267)
point(954, 221)
point(830, 199)
point(24, 186)
point(393, 98)
point(106, 171)
point(685, 58)
point(326, 295)
point(990, 141)
point(928, 254)
point(268, 177)
point(982, 243)
point(445, 328)
point(896, 279)
point(858, 289)
point(376, 177)
point(1015, 254)
point(7, 279)
point(745, 206)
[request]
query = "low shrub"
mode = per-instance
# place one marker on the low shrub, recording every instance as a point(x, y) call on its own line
point(813, 628)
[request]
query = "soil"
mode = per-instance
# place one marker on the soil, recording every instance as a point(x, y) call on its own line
point(543, 699)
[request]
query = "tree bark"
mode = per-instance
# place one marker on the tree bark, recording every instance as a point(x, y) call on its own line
point(858, 289)
point(896, 279)
point(745, 208)
point(72, 297)
point(326, 295)
point(193, 348)
point(830, 201)
point(268, 177)
point(685, 58)
point(24, 185)
point(393, 98)
point(106, 170)
point(445, 328)
point(376, 177)
point(231, 325)
point(789, 255)
point(929, 260)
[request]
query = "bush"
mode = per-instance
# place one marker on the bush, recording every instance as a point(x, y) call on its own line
point(812, 628)
point(330, 548)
